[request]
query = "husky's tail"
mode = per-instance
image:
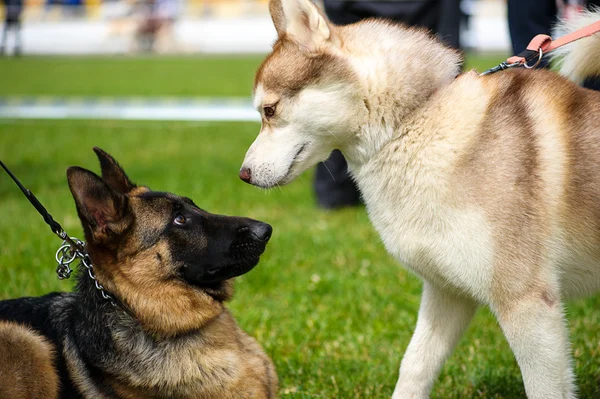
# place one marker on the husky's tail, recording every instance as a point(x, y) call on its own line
point(579, 60)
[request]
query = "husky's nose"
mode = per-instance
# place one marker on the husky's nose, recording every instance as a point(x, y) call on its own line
point(261, 231)
point(245, 174)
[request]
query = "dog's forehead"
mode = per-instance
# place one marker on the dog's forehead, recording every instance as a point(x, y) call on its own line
point(153, 212)
point(166, 201)
point(287, 70)
point(259, 96)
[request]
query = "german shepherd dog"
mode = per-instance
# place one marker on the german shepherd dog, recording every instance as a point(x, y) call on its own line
point(168, 266)
point(487, 187)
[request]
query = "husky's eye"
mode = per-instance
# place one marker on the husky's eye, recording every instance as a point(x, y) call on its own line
point(179, 220)
point(269, 110)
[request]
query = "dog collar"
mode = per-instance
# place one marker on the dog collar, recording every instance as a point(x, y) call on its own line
point(67, 254)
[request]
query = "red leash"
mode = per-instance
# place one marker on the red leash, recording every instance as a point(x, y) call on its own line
point(543, 44)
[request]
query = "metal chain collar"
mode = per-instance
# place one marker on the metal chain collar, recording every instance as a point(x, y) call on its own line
point(71, 249)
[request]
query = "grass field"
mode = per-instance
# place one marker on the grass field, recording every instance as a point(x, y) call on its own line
point(333, 310)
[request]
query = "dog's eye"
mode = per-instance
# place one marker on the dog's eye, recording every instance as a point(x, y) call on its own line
point(269, 110)
point(179, 220)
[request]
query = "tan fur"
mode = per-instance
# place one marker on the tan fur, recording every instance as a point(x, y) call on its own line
point(277, 16)
point(220, 361)
point(215, 360)
point(138, 191)
point(168, 335)
point(488, 187)
point(145, 281)
point(165, 305)
point(229, 363)
point(181, 342)
point(26, 364)
point(541, 128)
point(289, 70)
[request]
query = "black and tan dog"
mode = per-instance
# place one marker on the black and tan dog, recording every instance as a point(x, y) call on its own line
point(168, 265)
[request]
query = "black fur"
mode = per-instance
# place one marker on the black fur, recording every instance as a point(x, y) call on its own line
point(206, 250)
point(83, 316)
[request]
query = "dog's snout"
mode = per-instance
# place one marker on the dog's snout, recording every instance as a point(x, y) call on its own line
point(261, 231)
point(245, 174)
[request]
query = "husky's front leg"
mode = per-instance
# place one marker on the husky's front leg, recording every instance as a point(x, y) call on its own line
point(536, 331)
point(443, 317)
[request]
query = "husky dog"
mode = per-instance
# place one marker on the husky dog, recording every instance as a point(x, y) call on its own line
point(168, 266)
point(487, 187)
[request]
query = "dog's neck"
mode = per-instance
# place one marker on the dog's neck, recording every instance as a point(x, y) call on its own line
point(399, 69)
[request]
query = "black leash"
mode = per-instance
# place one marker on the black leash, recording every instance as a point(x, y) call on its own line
point(54, 225)
point(501, 67)
point(71, 248)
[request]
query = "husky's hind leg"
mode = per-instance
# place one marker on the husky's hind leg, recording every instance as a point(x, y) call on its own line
point(442, 320)
point(26, 364)
point(536, 331)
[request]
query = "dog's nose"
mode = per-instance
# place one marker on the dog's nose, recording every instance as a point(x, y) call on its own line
point(261, 231)
point(245, 175)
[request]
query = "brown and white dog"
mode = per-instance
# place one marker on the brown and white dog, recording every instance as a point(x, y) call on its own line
point(486, 187)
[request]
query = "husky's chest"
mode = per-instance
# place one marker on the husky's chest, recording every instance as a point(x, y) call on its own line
point(448, 245)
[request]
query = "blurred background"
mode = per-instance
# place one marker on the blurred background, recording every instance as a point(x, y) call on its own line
point(164, 86)
point(171, 59)
point(195, 26)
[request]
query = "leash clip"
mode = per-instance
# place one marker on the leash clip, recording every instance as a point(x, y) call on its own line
point(518, 61)
point(66, 254)
point(501, 67)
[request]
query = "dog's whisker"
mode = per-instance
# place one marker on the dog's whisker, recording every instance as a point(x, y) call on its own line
point(328, 170)
point(330, 132)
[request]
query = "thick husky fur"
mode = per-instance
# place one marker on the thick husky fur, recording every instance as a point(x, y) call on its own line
point(578, 60)
point(486, 187)
point(169, 267)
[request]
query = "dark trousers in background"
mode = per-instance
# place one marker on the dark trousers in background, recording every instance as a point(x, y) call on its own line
point(439, 16)
point(334, 188)
point(12, 24)
point(14, 27)
point(528, 18)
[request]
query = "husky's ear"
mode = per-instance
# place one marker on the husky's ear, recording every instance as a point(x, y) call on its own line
point(276, 10)
point(101, 209)
point(112, 173)
point(302, 22)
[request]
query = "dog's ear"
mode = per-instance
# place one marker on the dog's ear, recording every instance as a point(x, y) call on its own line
point(302, 22)
point(276, 11)
point(101, 209)
point(112, 173)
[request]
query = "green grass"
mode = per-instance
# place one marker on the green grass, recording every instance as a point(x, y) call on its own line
point(328, 304)
point(126, 76)
point(142, 76)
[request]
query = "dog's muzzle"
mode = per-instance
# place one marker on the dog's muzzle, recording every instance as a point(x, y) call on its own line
point(243, 255)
